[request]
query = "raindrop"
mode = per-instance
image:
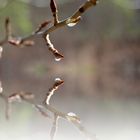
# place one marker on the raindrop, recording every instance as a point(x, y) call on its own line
point(57, 79)
point(58, 59)
point(71, 24)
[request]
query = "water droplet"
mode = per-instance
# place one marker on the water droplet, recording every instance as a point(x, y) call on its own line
point(73, 117)
point(71, 24)
point(57, 79)
point(58, 59)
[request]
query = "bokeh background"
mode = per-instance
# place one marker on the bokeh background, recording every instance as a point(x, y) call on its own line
point(101, 70)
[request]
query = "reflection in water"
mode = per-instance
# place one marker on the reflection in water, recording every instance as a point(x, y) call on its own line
point(29, 98)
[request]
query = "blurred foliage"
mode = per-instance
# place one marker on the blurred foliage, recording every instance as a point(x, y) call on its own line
point(19, 13)
point(124, 21)
point(123, 3)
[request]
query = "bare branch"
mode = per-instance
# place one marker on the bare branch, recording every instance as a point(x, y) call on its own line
point(41, 26)
point(20, 96)
point(54, 10)
point(70, 21)
point(41, 110)
point(8, 28)
point(7, 106)
point(75, 120)
point(8, 31)
point(27, 96)
point(26, 41)
point(88, 4)
point(54, 127)
point(57, 83)
point(18, 42)
point(51, 48)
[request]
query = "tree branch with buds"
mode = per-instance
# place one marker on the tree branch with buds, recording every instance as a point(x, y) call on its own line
point(44, 32)
point(70, 21)
point(44, 107)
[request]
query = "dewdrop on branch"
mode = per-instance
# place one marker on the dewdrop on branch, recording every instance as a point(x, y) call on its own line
point(72, 22)
point(57, 80)
point(43, 31)
point(57, 59)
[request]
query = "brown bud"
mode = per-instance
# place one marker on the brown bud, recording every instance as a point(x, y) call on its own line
point(14, 41)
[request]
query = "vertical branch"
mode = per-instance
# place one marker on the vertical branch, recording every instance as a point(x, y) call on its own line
point(7, 106)
point(54, 127)
point(54, 10)
point(7, 109)
point(8, 30)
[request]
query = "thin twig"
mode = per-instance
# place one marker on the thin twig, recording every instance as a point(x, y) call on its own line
point(43, 107)
point(70, 21)
point(54, 10)
point(51, 48)
point(55, 86)
point(54, 127)
point(41, 110)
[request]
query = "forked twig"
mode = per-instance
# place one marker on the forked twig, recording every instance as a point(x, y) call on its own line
point(45, 106)
point(70, 21)
point(44, 33)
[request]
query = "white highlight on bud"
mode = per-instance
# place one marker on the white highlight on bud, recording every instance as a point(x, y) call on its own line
point(71, 114)
point(72, 22)
point(58, 59)
point(57, 79)
point(73, 117)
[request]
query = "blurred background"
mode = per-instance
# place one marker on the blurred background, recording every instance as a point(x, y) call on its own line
point(101, 70)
